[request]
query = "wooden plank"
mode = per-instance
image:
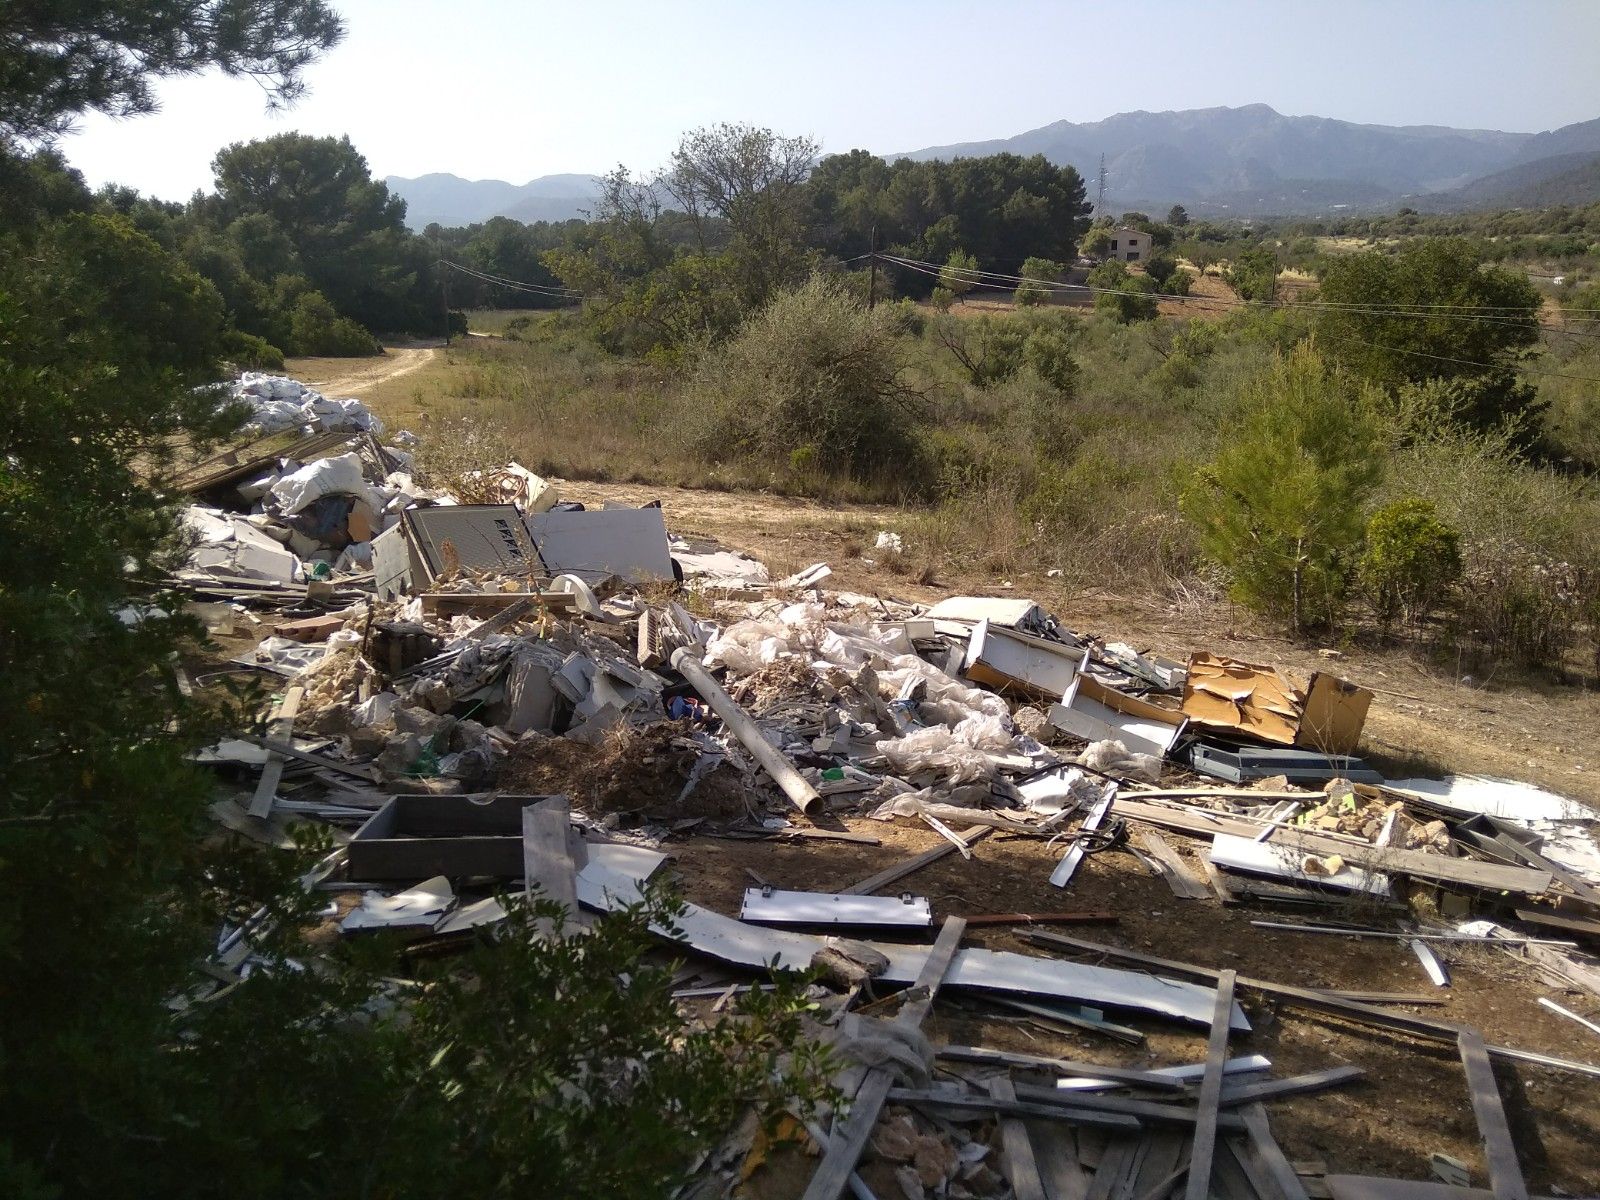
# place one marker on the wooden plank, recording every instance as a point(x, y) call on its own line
point(1505, 1174)
point(1198, 1186)
point(320, 760)
point(850, 1140)
point(981, 1054)
point(1419, 864)
point(546, 859)
point(1016, 1150)
point(1539, 916)
point(1315, 999)
point(280, 728)
point(1174, 870)
point(1236, 1094)
point(900, 870)
point(1150, 1112)
point(1086, 917)
point(1115, 1165)
point(977, 1102)
point(1269, 1155)
point(1055, 1149)
point(1158, 1170)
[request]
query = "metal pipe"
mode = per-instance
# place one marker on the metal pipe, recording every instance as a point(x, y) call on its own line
point(1479, 938)
point(800, 793)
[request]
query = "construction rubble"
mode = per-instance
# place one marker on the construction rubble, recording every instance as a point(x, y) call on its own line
point(457, 684)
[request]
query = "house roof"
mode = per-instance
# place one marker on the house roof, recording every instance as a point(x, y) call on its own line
point(1130, 229)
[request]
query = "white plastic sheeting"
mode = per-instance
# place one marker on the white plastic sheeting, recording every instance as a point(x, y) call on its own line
point(277, 403)
point(337, 476)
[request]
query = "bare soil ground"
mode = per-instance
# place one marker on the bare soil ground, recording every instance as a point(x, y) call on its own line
point(343, 377)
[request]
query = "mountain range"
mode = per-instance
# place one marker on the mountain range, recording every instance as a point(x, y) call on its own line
point(1217, 162)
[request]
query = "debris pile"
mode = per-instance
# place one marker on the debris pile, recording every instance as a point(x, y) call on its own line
point(464, 667)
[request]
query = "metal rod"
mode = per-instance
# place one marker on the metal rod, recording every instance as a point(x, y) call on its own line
point(801, 794)
point(1427, 937)
point(1567, 1012)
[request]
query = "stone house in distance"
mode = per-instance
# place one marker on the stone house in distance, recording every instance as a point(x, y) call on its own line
point(1129, 245)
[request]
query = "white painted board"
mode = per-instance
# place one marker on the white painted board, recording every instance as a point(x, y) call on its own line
point(1264, 858)
point(775, 907)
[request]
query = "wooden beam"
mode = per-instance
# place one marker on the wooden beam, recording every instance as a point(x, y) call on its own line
point(1313, 998)
point(1005, 1058)
point(1099, 1118)
point(850, 1140)
point(1269, 1155)
point(1236, 1094)
point(1419, 864)
point(1505, 1174)
point(900, 870)
point(1016, 1150)
point(1205, 1125)
point(280, 728)
point(1149, 1112)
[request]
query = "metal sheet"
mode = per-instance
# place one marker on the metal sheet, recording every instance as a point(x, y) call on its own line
point(986, 970)
point(630, 543)
point(1006, 659)
point(769, 906)
point(482, 537)
point(1264, 858)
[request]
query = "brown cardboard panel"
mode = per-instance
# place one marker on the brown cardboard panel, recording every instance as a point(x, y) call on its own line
point(1335, 711)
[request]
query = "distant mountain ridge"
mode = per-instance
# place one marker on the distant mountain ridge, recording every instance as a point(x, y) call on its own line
point(1217, 162)
point(452, 201)
point(1255, 160)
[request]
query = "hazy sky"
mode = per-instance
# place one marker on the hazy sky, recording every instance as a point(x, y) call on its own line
point(512, 90)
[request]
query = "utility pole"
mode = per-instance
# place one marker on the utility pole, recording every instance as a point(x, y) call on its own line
point(872, 285)
point(444, 298)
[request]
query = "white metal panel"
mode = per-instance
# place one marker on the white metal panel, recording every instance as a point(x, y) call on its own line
point(630, 543)
point(770, 906)
point(1263, 858)
point(1035, 664)
point(991, 970)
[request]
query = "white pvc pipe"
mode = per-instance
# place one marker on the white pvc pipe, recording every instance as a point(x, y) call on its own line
point(801, 794)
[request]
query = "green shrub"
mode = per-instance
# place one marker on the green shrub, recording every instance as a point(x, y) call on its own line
point(1126, 298)
point(812, 368)
point(1029, 295)
point(1048, 350)
point(316, 329)
point(1411, 560)
point(250, 352)
point(1280, 507)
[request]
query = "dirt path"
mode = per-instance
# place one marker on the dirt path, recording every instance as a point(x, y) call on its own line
point(341, 378)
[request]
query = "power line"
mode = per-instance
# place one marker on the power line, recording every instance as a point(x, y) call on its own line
point(926, 269)
point(513, 284)
point(980, 279)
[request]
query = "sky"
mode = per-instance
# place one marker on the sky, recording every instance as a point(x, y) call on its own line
point(516, 89)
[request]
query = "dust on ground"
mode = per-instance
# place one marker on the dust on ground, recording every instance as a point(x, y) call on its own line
point(1413, 1100)
point(631, 772)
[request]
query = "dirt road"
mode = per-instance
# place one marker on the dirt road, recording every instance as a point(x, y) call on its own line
point(342, 377)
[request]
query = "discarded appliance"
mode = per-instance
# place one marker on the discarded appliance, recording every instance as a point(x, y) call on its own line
point(1009, 661)
point(629, 543)
point(1095, 712)
point(1239, 762)
point(415, 837)
point(482, 537)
